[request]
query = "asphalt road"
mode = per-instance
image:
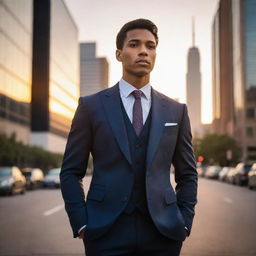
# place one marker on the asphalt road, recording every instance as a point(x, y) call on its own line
point(36, 223)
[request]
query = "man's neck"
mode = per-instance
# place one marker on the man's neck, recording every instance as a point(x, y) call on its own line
point(137, 82)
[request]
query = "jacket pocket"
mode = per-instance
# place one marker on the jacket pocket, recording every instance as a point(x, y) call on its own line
point(170, 196)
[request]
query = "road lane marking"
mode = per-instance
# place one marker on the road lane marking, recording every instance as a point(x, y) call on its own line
point(228, 200)
point(53, 210)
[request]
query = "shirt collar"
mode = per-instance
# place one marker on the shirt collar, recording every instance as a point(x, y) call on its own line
point(126, 89)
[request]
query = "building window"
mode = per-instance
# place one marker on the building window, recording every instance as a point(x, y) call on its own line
point(250, 113)
point(251, 149)
point(249, 132)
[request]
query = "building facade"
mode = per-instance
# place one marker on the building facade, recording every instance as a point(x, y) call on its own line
point(39, 77)
point(223, 102)
point(55, 74)
point(234, 76)
point(193, 90)
point(93, 70)
point(15, 67)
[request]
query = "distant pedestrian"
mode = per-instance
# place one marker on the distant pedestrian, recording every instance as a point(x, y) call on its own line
point(134, 134)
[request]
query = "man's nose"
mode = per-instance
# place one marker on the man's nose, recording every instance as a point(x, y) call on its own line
point(143, 51)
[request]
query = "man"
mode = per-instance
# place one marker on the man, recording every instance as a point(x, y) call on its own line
point(134, 134)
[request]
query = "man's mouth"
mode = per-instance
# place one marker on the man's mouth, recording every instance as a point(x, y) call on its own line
point(143, 62)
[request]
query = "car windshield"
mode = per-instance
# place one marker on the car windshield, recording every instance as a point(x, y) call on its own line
point(27, 174)
point(247, 167)
point(5, 171)
point(54, 172)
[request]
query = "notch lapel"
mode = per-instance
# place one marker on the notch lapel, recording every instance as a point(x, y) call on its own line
point(112, 106)
point(157, 125)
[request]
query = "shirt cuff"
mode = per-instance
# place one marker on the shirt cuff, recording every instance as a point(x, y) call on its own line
point(187, 230)
point(81, 229)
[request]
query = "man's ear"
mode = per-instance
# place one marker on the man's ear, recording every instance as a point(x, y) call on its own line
point(119, 55)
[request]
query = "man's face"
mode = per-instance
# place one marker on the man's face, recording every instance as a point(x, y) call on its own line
point(138, 53)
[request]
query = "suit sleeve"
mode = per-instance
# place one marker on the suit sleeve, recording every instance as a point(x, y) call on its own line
point(185, 171)
point(74, 167)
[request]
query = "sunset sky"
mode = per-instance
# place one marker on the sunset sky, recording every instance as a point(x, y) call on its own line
point(101, 20)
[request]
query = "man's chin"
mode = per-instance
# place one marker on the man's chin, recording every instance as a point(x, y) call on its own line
point(141, 73)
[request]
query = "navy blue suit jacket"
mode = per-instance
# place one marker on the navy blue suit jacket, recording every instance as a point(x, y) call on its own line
point(98, 128)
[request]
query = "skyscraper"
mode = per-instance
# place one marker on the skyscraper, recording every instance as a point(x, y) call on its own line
point(15, 67)
point(244, 63)
point(234, 78)
point(193, 79)
point(55, 74)
point(223, 101)
point(93, 70)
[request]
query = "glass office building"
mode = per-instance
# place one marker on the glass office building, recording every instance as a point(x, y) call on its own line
point(249, 38)
point(234, 76)
point(55, 79)
point(93, 70)
point(244, 59)
point(15, 67)
point(216, 72)
point(39, 71)
point(223, 105)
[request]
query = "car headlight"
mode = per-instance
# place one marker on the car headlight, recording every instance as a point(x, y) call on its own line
point(7, 182)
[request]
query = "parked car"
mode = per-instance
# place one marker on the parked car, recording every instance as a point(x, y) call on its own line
point(212, 172)
point(230, 176)
point(11, 180)
point(252, 177)
point(241, 174)
point(52, 178)
point(201, 171)
point(224, 172)
point(34, 177)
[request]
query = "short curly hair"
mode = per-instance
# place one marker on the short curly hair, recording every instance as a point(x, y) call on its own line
point(135, 24)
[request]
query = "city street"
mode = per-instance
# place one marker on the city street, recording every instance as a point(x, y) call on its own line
point(36, 223)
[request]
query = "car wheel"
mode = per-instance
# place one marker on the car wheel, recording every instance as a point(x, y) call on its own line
point(23, 191)
point(11, 193)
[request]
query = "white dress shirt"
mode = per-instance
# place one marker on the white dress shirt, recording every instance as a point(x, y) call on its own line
point(128, 99)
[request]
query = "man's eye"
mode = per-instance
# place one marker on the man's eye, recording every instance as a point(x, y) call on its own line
point(151, 47)
point(132, 45)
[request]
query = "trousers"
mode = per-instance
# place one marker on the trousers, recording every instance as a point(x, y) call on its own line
point(132, 235)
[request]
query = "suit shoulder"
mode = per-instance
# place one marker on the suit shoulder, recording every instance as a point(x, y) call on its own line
point(169, 100)
point(95, 96)
point(89, 98)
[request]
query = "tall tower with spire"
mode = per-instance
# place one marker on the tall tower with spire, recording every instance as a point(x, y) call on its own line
point(193, 86)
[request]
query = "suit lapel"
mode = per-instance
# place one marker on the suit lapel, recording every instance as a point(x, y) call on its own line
point(111, 103)
point(157, 125)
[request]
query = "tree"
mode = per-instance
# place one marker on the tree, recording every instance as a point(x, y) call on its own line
point(214, 147)
point(16, 153)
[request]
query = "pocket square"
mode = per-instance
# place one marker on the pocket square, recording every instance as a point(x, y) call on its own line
point(170, 124)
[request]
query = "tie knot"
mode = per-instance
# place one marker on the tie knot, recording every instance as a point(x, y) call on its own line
point(137, 94)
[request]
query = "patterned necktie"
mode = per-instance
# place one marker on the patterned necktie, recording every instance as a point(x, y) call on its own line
point(137, 118)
